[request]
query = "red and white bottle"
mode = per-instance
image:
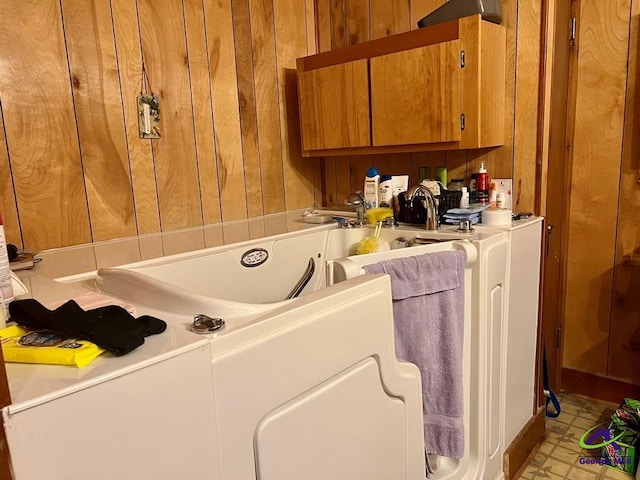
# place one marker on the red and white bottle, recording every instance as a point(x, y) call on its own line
point(482, 185)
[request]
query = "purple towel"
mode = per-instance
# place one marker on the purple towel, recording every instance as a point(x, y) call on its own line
point(428, 310)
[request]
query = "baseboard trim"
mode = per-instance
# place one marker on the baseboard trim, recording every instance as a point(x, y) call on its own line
point(597, 387)
point(523, 447)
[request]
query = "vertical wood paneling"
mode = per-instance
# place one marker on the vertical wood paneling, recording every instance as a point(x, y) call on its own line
point(357, 171)
point(224, 86)
point(624, 356)
point(420, 8)
point(248, 113)
point(599, 114)
point(291, 43)
point(202, 112)
point(527, 78)
point(330, 184)
point(456, 164)
point(341, 166)
point(393, 164)
point(425, 159)
point(338, 24)
point(357, 19)
point(389, 17)
point(196, 172)
point(8, 207)
point(98, 105)
point(165, 57)
point(343, 179)
point(43, 142)
point(323, 29)
point(266, 84)
point(499, 161)
point(310, 17)
point(145, 193)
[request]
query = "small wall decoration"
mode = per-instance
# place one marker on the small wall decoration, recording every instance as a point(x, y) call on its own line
point(148, 109)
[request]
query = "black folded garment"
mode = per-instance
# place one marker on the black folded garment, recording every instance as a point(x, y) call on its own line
point(110, 327)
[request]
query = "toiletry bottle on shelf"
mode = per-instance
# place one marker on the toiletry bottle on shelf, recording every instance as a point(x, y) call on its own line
point(6, 288)
point(473, 192)
point(482, 185)
point(493, 192)
point(386, 191)
point(464, 200)
point(371, 188)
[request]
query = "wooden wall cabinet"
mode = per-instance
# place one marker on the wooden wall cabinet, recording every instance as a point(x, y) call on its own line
point(436, 88)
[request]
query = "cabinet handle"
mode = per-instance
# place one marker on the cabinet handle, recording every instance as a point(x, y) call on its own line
point(548, 246)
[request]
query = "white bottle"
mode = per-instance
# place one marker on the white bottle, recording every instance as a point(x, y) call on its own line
point(6, 287)
point(386, 191)
point(371, 189)
point(464, 200)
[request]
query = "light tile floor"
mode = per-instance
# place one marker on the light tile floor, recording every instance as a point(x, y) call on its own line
point(558, 457)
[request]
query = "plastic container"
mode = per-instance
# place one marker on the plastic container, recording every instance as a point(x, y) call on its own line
point(473, 191)
point(464, 200)
point(482, 185)
point(6, 287)
point(386, 191)
point(496, 217)
point(371, 189)
point(441, 175)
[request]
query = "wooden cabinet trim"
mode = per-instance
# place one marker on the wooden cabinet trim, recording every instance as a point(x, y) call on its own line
point(443, 32)
point(422, 147)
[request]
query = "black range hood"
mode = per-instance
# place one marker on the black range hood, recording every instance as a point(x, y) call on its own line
point(489, 9)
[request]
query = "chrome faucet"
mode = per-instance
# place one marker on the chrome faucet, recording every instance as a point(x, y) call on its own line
point(433, 219)
point(356, 199)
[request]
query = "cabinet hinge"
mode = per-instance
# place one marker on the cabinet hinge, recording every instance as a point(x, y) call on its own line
point(558, 336)
point(572, 33)
point(462, 121)
point(461, 58)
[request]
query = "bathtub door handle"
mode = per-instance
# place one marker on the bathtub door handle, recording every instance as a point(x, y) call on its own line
point(306, 277)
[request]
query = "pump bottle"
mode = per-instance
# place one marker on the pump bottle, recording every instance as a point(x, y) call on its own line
point(482, 185)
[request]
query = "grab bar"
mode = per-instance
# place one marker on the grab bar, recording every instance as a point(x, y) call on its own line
point(350, 267)
point(306, 276)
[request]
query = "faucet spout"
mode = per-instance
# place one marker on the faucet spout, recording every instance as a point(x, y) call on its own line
point(356, 199)
point(430, 203)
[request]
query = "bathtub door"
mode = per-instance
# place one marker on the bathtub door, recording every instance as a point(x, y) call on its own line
point(315, 392)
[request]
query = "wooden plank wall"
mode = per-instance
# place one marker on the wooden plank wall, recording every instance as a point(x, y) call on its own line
point(72, 168)
point(600, 73)
point(348, 22)
point(602, 305)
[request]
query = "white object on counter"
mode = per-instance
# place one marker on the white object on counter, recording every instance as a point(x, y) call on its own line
point(496, 217)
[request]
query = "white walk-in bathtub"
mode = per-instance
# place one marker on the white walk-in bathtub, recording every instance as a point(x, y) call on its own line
point(305, 387)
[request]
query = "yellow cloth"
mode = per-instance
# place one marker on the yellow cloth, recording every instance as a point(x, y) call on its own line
point(37, 346)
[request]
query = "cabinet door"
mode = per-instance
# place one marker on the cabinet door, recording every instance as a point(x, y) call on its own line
point(416, 95)
point(334, 106)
